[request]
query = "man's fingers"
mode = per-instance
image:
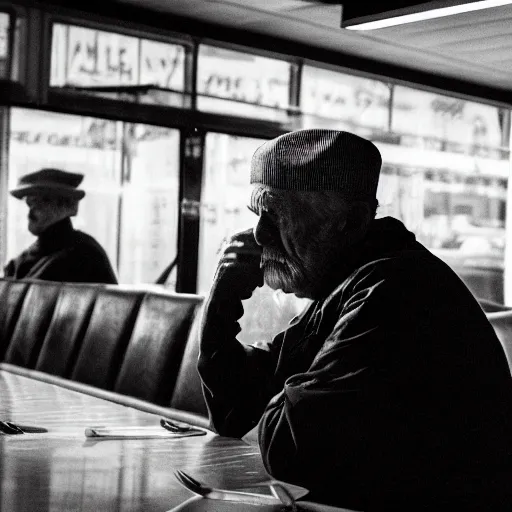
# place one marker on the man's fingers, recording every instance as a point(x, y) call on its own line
point(239, 260)
point(242, 249)
point(243, 243)
point(245, 256)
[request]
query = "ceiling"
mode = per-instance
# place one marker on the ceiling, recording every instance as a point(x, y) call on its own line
point(469, 53)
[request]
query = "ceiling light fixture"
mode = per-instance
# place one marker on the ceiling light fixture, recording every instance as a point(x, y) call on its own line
point(425, 15)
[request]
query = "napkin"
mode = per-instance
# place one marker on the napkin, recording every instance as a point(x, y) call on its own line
point(149, 432)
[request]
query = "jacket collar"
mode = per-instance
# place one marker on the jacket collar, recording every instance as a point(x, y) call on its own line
point(56, 236)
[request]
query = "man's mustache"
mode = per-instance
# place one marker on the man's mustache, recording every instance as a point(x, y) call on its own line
point(271, 255)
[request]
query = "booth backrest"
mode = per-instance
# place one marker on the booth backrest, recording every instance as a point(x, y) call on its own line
point(125, 338)
point(502, 324)
point(106, 337)
point(70, 319)
point(188, 393)
point(491, 307)
point(12, 294)
point(32, 324)
point(154, 352)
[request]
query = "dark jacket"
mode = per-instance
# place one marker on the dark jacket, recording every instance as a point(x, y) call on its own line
point(393, 391)
point(62, 253)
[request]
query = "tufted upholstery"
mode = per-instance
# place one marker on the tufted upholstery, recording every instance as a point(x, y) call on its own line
point(155, 349)
point(140, 342)
point(32, 324)
point(71, 316)
point(502, 323)
point(129, 339)
point(490, 307)
point(188, 393)
point(12, 294)
point(106, 338)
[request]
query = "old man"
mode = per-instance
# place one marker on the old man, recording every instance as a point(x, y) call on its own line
point(391, 391)
point(60, 253)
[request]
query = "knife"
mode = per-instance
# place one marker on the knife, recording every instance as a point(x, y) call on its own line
point(241, 497)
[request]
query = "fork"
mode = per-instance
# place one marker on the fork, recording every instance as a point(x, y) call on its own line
point(8, 428)
point(280, 495)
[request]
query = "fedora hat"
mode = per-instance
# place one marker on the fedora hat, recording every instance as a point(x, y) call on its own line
point(51, 182)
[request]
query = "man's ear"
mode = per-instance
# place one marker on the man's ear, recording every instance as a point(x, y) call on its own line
point(358, 218)
point(68, 206)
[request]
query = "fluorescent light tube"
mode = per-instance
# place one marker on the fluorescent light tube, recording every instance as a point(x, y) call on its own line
point(430, 14)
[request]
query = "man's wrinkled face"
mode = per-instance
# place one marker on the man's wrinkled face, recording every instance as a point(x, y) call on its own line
point(300, 246)
point(43, 212)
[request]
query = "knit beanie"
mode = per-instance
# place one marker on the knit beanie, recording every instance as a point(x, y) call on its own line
point(318, 159)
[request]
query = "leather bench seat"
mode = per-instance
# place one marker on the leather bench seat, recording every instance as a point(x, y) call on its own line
point(32, 323)
point(151, 363)
point(106, 338)
point(12, 294)
point(502, 324)
point(70, 320)
point(141, 342)
point(188, 392)
point(124, 338)
point(491, 307)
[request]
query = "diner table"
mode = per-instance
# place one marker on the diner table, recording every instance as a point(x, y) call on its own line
point(63, 470)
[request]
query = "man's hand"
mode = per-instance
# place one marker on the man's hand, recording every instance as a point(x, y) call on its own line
point(238, 272)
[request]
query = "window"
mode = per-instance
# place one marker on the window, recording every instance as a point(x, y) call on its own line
point(118, 65)
point(12, 30)
point(149, 210)
point(4, 44)
point(77, 144)
point(446, 178)
point(226, 194)
point(130, 178)
point(442, 123)
point(445, 164)
point(338, 101)
point(242, 84)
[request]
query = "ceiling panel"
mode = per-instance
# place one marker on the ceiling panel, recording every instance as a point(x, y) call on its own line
point(485, 44)
point(475, 47)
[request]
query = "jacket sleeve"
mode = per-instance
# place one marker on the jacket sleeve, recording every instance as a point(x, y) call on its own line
point(9, 269)
point(237, 379)
point(83, 263)
point(329, 416)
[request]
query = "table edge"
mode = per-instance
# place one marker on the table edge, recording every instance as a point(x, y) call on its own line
point(111, 396)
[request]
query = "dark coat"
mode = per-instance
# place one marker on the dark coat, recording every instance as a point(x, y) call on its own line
point(62, 253)
point(393, 391)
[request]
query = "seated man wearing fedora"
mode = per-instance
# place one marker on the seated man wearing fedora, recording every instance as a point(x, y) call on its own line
point(60, 253)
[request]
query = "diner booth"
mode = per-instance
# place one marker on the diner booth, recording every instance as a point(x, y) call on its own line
point(161, 115)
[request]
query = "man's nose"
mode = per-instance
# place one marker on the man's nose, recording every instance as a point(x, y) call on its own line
point(265, 232)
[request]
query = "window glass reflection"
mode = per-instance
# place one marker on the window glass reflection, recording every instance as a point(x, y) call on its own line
point(250, 85)
point(225, 195)
point(454, 153)
point(12, 45)
point(441, 123)
point(131, 181)
point(149, 212)
point(85, 145)
point(338, 101)
point(4, 43)
point(91, 60)
point(445, 165)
